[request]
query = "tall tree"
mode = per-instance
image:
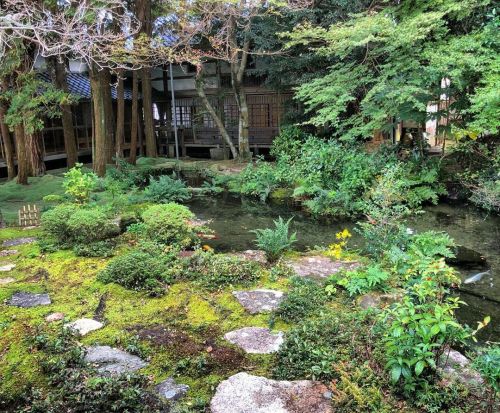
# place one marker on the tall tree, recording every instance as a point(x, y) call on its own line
point(7, 139)
point(66, 115)
point(134, 123)
point(120, 115)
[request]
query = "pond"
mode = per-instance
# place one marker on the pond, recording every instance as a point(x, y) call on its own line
point(233, 218)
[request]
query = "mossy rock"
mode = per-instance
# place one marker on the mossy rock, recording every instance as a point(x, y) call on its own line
point(281, 194)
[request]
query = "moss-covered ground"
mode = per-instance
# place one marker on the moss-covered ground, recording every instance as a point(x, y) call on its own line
point(180, 333)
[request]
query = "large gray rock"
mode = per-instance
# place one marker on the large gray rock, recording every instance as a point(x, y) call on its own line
point(319, 266)
point(7, 267)
point(252, 255)
point(456, 366)
point(170, 390)
point(84, 326)
point(27, 300)
point(18, 241)
point(260, 300)
point(244, 393)
point(256, 340)
point(112, 361)
point(379, 300)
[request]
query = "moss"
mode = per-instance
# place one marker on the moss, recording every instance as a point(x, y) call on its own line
point(281, 194)
point(200, 312)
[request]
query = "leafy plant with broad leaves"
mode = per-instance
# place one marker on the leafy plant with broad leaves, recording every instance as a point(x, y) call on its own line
point(79, 184)
point(487, 363)
point(364, 280)
point(275, 241)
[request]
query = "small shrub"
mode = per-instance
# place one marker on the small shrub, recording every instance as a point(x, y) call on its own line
point(218, 270)
point(55, 222)
point(364, 280)
point(276, 241)
point(487, 363)
point(306, 297)
point(138, 270)
point(79, 184)
point(94, 249)
point(166, 189)
point(169, 224)
point(336, 249)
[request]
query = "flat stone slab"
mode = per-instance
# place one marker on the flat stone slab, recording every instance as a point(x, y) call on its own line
point(245, 393)
point(376, 300)
point(6, 253)
point(319, 266)
point(7, 267)
point(170, 390)
point(54, 317)
point(7, 280)
point(260, 300)
point(18, 241)
point(252, 255)
point(112, 361)
point(456, 366)
point(256, 340)
point(27, 300)
point(84, 326)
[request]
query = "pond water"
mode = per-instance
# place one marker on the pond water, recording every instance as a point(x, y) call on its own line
point(233, 218)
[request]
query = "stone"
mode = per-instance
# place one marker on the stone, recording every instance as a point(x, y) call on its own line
point(256, 340)
point(378, 300)
point(84, 326)
point(6, 253)
point(245, 393)
point(54, 317)
point(18, 241)
point(252, 255)
point(111, 361)
point(7, 280)
point(260, 300)
point(170, 390)
point(7, 267)
point(27, 300)
point(456, 366)
point(319, 266)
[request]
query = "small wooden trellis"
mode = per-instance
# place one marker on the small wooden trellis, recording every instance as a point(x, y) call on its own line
point(29, 216)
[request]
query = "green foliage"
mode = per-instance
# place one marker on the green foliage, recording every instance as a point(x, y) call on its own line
point(215, 271)
point(364, 280)
point(140, 270)
point(304, 299)
point(95, 249)
point(313, 348)
point(257, 180)
point(70, 224)
point(274, 242)
point(487, 363)
point(440, 397)
point(166, 189)
point(169, 224)
point(75, 387)
point(79, 184)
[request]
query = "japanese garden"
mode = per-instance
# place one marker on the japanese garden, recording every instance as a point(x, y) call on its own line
point(249, 206)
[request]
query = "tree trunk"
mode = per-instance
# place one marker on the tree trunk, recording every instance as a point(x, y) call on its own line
point(215, 116)
point(243, 125)
point(66, 117)
point(110, 118)
point(120, 116)
point(144, 16)
point(34, 153)
point(22, 160)
point(134, 121)
point(101, 92)
point(7, 144)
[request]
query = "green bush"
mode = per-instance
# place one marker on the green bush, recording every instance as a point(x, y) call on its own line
point(214, 271)
point(69, 225)
point(487, 363)
point(274, 242)
point(306, 297)
point(166, 189)
point(364, 280)
point(169, 224)
point(140, 271)
point(79, 184)
point(95, 249)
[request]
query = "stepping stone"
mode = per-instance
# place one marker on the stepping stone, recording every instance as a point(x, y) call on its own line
point(378, 300)
point(252, 255)
point(84, 326)
point(256, 340)
point(18, 241)
point(260, 300)
point(170, 390)
point(54, 317)
point(27, 300)
point(111, 361)
point(455, 365)
point(6, 253)
point(319, 266)
point(7, 280)
point(7, 267)
point(245, 393)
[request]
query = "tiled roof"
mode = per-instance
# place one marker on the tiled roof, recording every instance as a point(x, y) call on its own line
point(79, 85)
